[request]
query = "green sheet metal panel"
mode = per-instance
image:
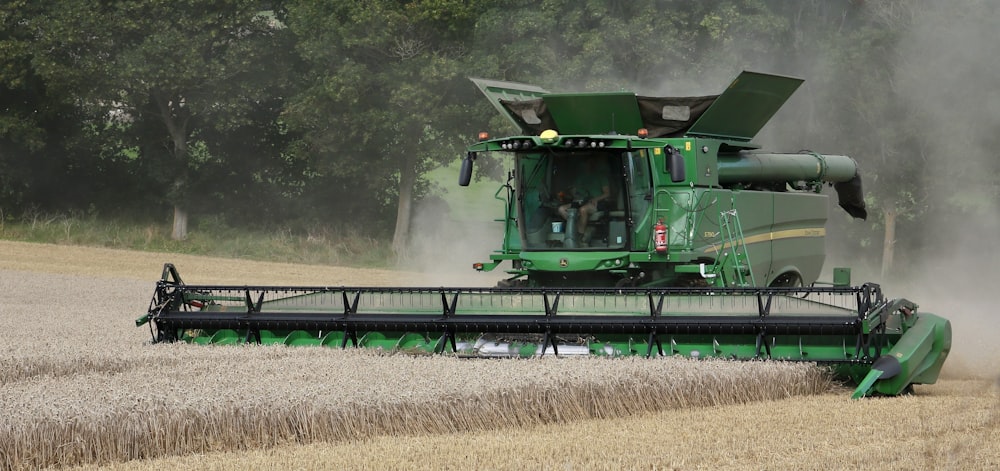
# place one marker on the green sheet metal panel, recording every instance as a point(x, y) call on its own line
point(745, 107)
point(595, 113)
point(496, 90)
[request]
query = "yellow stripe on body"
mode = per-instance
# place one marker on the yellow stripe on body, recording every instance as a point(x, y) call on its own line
point(772, 236)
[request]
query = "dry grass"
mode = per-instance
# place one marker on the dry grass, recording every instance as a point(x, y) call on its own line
point(79, 384)
point(246, 398)
point(954, 425)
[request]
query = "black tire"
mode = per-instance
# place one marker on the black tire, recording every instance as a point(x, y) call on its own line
point(626, 282)
point(787, 280)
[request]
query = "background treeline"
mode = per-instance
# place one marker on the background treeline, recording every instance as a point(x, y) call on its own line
point(302, 115)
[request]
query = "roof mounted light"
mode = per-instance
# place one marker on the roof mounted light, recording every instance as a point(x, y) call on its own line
point(643, 133)
point(484, 136)
point(549, 136)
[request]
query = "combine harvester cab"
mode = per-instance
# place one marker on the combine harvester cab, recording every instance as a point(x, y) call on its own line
point(633, 226)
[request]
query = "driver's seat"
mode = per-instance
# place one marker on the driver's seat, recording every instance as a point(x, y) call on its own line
point(602, 219)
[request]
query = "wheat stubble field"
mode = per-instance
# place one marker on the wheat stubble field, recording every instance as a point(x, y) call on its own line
point(81, 386)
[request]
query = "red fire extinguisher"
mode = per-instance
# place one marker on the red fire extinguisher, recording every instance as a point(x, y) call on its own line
point(660, 236)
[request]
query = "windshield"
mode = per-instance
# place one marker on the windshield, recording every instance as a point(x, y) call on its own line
point(577, 200)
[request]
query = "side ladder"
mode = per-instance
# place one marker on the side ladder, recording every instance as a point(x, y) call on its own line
point(732, 267)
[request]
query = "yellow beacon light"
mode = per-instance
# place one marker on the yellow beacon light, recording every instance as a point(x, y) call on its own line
point(549, 136)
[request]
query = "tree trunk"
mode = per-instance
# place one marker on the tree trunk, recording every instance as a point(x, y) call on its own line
point(180, 229)
point(889, 242)
point(401, 237)
point(175, 118)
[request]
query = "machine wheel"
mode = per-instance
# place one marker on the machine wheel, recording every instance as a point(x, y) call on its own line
point(626, 282)
point(787, 280)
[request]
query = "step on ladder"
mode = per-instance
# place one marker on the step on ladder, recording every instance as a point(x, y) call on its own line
point(732, 266)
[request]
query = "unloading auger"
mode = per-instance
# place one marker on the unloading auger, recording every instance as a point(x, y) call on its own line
point(633, 226)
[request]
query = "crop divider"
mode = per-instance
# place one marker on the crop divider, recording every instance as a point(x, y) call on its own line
point(763, 309)
point(654, 314)
point(448, 336)
point(350, 308)
point(252, 334)
point(550, 314)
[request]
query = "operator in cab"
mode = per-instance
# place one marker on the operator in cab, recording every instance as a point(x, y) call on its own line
point(589, 189)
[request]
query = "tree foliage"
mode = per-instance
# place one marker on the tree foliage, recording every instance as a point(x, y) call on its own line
point(167, 77)
point(47, 152)
point(383, 106)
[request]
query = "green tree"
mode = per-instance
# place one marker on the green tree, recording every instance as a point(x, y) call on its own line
point(667, 47)
point(186, 65)
point(387, 94)
point(42, 137)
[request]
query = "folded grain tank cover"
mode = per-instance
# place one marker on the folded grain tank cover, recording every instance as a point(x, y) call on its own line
point(745, 107)
point(672, 117)
point(498, 91)
point(738, 114)
point(606, 113)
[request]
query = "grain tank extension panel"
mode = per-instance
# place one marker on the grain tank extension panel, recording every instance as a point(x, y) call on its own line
point(737, 114)
point(745, 107)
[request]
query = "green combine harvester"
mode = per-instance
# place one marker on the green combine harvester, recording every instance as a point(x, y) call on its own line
point(633, 226)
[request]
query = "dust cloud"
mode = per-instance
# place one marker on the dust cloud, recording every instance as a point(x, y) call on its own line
point(444, 245)
point(949, 70)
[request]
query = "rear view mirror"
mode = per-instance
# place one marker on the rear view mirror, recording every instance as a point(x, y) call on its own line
point(675, 165)
point(465, 174)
